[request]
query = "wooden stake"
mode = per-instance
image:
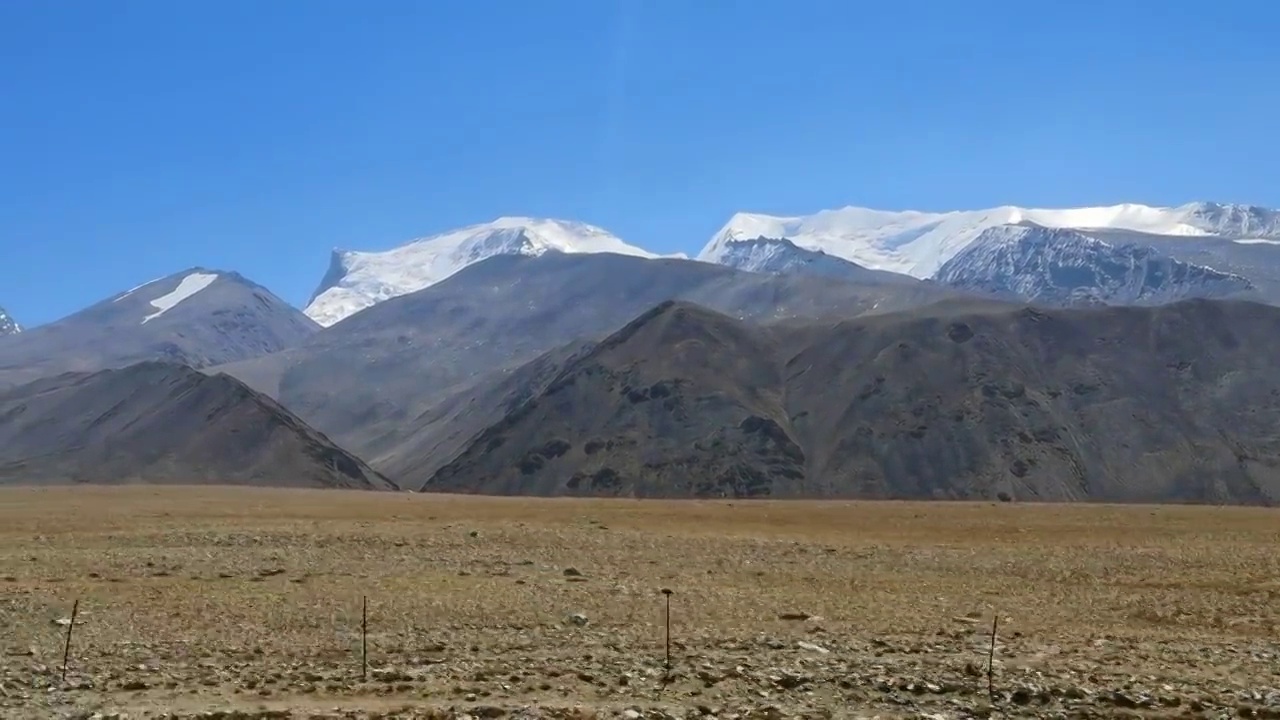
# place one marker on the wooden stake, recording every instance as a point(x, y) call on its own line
point(991, 660)
point(667, 592)
point(66, 649)
point(364, 638)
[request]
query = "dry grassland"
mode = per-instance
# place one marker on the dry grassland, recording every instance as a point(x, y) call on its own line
point(213, 599)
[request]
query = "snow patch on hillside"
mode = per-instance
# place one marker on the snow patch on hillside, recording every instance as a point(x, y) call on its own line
point(190, 285)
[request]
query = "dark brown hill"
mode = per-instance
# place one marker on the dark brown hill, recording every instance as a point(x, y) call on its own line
point(1173, 403)
point(164, 423)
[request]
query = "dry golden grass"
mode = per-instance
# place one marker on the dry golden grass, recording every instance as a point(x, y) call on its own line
point(184, 581)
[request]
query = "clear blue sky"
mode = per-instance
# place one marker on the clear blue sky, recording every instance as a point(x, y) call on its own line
point(138, 138)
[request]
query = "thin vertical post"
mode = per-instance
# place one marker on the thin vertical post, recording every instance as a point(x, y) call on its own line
point(364, 638)
point(66, 649)
point(991, 660)
point(667, 592)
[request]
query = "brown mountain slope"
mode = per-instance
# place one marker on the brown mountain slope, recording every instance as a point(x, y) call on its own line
point(1173, 403)
point(386, 381)
point(164, 423)
point(682, 401)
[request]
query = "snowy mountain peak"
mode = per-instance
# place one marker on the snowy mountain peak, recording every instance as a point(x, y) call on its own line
point(8, 326)
point(918, 243)
point(197, 317)
point(1064, 266)
point(357, 280)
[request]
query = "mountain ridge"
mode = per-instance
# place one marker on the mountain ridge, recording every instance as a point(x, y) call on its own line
point(1173, 403)
point(379, 381)
point(168, 423)
point(356, 280)
point(1063, 266)
point(917, 243)
point(781, 256)
point(197, 317)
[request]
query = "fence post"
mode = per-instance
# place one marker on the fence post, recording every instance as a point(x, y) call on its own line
point(66, 649)
point(667, 592)
point(364, 638)
point(991, 660)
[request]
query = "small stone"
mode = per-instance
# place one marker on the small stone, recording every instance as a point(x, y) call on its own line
point(1119, 699)
point(578, 619)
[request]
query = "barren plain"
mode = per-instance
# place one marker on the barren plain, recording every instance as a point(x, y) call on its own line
point(214, 602)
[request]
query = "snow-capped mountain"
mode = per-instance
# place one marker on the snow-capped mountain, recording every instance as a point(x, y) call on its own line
point(918, 243)
point(1065, 267)
point(357, 280)
point(197, 317)
point(8, 326)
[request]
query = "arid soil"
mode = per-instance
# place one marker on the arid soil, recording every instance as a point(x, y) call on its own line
point(243, 603)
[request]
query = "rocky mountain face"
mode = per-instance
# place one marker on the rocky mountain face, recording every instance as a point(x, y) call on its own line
point(1256, 260)
point(701, 395)
point(1234, 221)
point(8, 326)
point(164, 423)
point(1057, 266)
point(782, 256)
point(1176, 403)
point(197, 317)
point(381, 382)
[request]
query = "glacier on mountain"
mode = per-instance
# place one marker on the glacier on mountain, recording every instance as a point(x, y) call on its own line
point(919, 243)
point(1062, 266)
point(357, 280)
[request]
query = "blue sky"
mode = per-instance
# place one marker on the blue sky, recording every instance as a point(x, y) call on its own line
point(138, 138)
